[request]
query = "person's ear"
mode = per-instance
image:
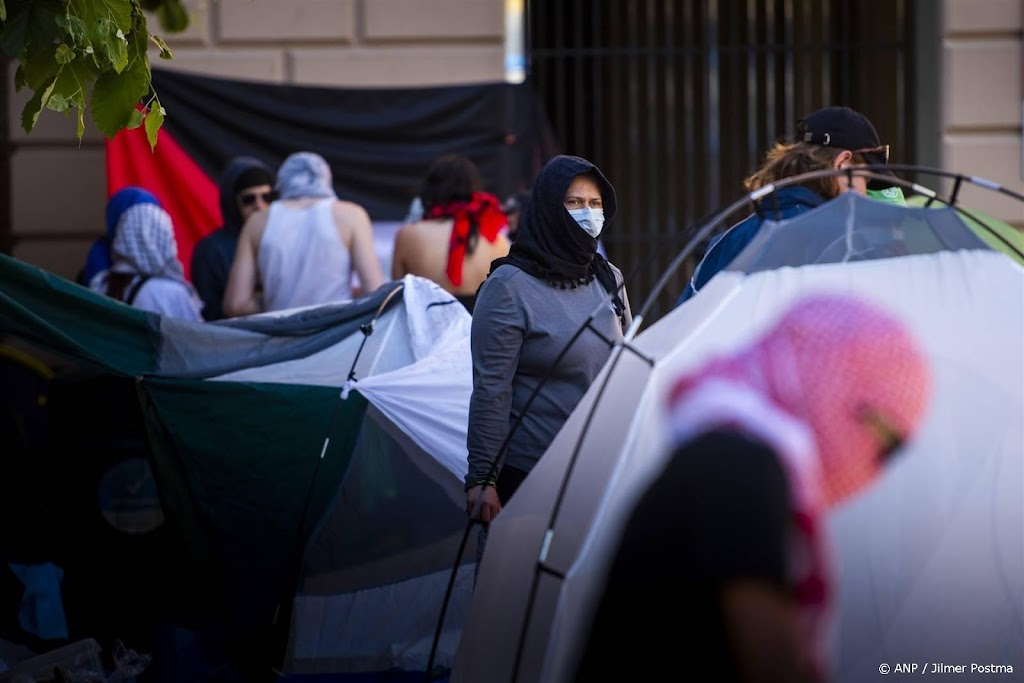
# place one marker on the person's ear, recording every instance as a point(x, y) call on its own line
point(844, 158)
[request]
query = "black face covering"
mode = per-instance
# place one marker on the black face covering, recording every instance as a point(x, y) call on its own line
point(549, 244)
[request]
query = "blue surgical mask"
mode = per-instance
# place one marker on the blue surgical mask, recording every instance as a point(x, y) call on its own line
point(591, 220)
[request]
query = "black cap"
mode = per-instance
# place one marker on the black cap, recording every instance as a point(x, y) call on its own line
point(844, 128)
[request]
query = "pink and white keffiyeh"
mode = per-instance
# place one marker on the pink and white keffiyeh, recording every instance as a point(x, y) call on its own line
point(804, 388)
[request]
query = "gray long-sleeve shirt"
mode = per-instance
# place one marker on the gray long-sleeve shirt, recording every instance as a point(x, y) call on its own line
point(520, 326)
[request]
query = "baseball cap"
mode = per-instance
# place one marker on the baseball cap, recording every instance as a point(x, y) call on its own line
point(844, 128)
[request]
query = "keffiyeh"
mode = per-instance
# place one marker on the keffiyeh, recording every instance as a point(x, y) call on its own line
point(305, 174)
point(144, 241)
point(802, 389)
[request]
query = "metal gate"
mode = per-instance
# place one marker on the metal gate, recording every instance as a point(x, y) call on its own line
point(677, 100)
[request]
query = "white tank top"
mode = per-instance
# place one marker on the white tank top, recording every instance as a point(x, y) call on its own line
point(302, 259)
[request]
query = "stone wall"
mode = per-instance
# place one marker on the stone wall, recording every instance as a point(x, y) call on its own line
point(982, 99)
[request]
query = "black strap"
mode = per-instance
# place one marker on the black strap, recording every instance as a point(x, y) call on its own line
point(133, 291)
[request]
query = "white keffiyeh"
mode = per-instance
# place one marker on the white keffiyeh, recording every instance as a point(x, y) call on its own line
point(144, 240)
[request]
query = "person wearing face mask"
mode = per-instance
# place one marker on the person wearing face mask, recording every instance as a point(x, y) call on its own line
point(830, 138)
point(528, 310)
point(730, 539)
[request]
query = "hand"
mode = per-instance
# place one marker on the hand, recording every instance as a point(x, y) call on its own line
point(489, 506)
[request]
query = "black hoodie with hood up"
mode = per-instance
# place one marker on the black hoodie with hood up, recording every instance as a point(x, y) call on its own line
point(213, 255)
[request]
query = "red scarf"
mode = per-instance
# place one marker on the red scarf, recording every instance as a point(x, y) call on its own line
point(481, 215)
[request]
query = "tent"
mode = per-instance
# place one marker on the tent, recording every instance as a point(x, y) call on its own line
point(304, 464)
point(931, 558)
point(997, 233)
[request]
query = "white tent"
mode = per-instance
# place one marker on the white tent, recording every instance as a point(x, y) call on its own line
point(931, 559)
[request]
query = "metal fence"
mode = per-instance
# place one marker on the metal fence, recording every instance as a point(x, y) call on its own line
point(677, 100)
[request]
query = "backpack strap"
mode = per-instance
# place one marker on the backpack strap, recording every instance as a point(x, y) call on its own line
point(133, 291)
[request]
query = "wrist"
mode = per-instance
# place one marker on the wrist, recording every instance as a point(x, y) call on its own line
point(489, 481)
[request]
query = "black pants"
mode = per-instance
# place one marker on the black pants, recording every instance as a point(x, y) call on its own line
point(509, 480)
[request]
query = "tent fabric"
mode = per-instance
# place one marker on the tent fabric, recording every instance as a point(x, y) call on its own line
point(378, 141)
point(996, 233)
point(931, 559)
point(879, 233)
point(264, 448)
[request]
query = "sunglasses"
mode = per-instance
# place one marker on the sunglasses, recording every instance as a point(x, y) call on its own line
point(887, 436)
point(249, 198)
point(881, 149)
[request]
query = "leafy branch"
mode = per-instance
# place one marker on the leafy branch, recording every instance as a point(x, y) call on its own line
point(74, 52)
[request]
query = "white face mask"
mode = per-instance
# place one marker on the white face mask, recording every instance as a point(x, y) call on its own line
point(591, 220)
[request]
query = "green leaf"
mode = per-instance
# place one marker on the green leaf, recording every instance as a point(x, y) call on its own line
point(165, 52)
point(19, 78)
point(43, 30)
point(136, 120)
point(40, 68)
point(77, 27)
point(120, 11)
point(154, 120)
point(73, 82)
point(3, 11)
point(115, 96)
point(117, 50)
point(64, 54)
point(173, 16)
point(57, 102)
point(14, 35)
point(30, 114)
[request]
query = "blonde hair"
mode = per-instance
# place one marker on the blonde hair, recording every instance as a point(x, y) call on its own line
point(788, 159)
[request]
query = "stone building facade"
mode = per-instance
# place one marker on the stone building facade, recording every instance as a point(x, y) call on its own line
point(52, 200)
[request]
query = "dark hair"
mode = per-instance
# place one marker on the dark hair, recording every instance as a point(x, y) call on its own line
point(450, 178)
point(788, 159)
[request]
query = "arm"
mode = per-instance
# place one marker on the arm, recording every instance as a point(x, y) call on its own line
point(628, 314)
point(763, 624)
point(240, 293)
point(398, 255)
point(496, 338)
point(362, 249)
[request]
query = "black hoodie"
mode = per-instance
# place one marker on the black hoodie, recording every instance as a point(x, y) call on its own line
point(212, 256)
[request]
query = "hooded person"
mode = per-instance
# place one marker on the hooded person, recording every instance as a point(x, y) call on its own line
point(729, 541)
point(145, 271)
point(246, 186)
point(304, 248)
point(99, 258)
point(529, 310)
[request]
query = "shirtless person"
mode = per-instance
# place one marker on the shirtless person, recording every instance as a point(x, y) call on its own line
point(446, 246)
point(303, 248)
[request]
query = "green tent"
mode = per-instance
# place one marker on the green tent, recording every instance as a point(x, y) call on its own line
point(998, 234)
point(250, 428)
